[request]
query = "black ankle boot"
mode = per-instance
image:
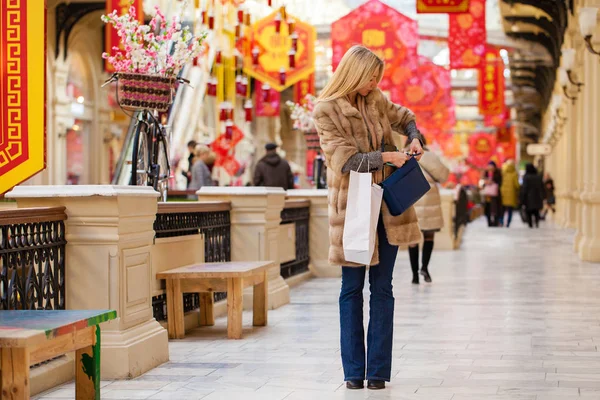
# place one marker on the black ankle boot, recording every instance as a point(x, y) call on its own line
point(354, 385)
point(415, 280)
point(376, 385)
point(426, 275)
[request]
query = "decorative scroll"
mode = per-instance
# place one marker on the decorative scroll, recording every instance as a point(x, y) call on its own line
point(303, 89)
point(491, 84)
point(268, 101)
point(274, 52)
point(111, 38)
point(391, 35)
point(468, 37)
point(442, 6)
point(22, 57)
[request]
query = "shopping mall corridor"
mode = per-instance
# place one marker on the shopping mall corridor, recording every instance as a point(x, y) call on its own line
point(512, 315)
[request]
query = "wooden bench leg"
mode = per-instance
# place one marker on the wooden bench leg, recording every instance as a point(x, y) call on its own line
point(14, 370)
point(87, 370)
point(260, 302)
point(175, 321)
point(207, 301)
point(235, 306)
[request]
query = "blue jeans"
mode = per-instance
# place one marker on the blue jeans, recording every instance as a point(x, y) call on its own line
point(381, 319)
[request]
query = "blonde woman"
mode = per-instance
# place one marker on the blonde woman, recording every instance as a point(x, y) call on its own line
point(355, 122)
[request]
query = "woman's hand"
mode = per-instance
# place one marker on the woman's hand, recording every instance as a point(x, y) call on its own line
point(416, 148)
point(397, 158)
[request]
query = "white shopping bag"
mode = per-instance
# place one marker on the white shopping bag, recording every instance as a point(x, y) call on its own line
point(362, 216)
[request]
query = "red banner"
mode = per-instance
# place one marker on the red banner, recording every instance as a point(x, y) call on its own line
point(482, 147)
point(491, 84)
point(22, 91)
point(468, 34)
point(446, 6)
point(391, 35)
point(111, 38)
point(267, 101)
point(498, 119)
point(303, 89)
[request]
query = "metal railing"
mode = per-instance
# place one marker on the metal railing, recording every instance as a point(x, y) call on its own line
point(32, 258)
point(297, 212)
point(212, 220)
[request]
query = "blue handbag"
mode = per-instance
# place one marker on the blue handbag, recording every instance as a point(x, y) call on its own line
point(404, 187)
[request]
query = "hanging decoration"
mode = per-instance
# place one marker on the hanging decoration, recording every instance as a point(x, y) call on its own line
point(482, 147)
point(279, 57)
point(390, 34)
point(304, 88)
point(22, 95)
point(491, 83)
point(498, 119)
point(267, 100)
point(112, 40)
point(445, 6)
point(468, 33)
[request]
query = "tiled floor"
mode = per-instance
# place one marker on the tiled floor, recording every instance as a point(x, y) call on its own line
point(513, 315)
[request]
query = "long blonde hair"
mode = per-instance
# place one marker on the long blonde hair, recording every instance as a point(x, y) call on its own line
point(354, 71)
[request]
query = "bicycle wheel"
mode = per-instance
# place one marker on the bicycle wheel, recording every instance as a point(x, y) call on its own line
point(140, 159)
point(163, 171)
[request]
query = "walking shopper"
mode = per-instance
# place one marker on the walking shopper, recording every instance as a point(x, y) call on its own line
point(491, 191)
point(429, 213)
point(273, 171)
point(550, 198)
point(532, 195)
point(509, 191)
point(192, 150)
point(353, 119)
point(200, 172)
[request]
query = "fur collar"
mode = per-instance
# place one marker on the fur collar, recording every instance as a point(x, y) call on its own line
point(349, 111)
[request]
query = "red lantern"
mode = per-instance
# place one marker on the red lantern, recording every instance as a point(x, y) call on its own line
point(278, 23)
point(212, 86)
point(270, 3)
point(282, 76)
point(238, 86)
point(238, 31)
point(247, 19)
point(294, 37)
point(222, 112)
point(240, 15)
point(255, 54)
point(266, 92)
point(229, 108)
point(204, 17)
point(211, 21)
point(218, 57)
point(244, 86)
point(291, 25)
point(229, 129)
point(248, 110)
point(292, 58)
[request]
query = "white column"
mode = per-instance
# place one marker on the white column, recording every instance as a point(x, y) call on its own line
point(589, 245)
point(109, 234)
point(255, 219)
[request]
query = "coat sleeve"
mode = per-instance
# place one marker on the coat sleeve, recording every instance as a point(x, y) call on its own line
point(258, 175)
point(336, 146)
point(401, 119)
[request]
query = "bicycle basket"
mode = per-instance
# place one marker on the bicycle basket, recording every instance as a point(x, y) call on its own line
point(144, 92)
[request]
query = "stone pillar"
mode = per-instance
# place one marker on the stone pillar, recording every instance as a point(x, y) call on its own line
point(579, 115)
point(318, 232)
point(560, 180)
point(109, 234)
point(589, 245)
point(255, 219)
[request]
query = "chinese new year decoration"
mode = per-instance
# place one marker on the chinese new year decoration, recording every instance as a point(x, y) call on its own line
point(469, 37)
point(442, 6)
point(282, 54)
point(482, 147)
point(22, 95)
point(491, 84)
point(391, 35)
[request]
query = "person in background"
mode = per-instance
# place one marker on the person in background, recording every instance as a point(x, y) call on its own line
point(509, 190)
point(200, 172)
point(188, 174)
point(429, 212)
point(273, 171)
point(532, 195)
point(550, 199)
point(491, 191)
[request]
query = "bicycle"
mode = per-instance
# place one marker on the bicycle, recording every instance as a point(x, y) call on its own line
point(150, 157)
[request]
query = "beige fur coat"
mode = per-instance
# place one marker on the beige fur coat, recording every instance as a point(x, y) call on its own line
point(429, 207)
point(343, 133)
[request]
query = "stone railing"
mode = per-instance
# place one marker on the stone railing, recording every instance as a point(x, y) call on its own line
point(211, 221)
point(297, 212)
point(32, 259)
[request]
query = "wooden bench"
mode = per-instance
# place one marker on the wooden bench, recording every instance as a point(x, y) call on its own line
point(230, 277)
point(30, 337)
